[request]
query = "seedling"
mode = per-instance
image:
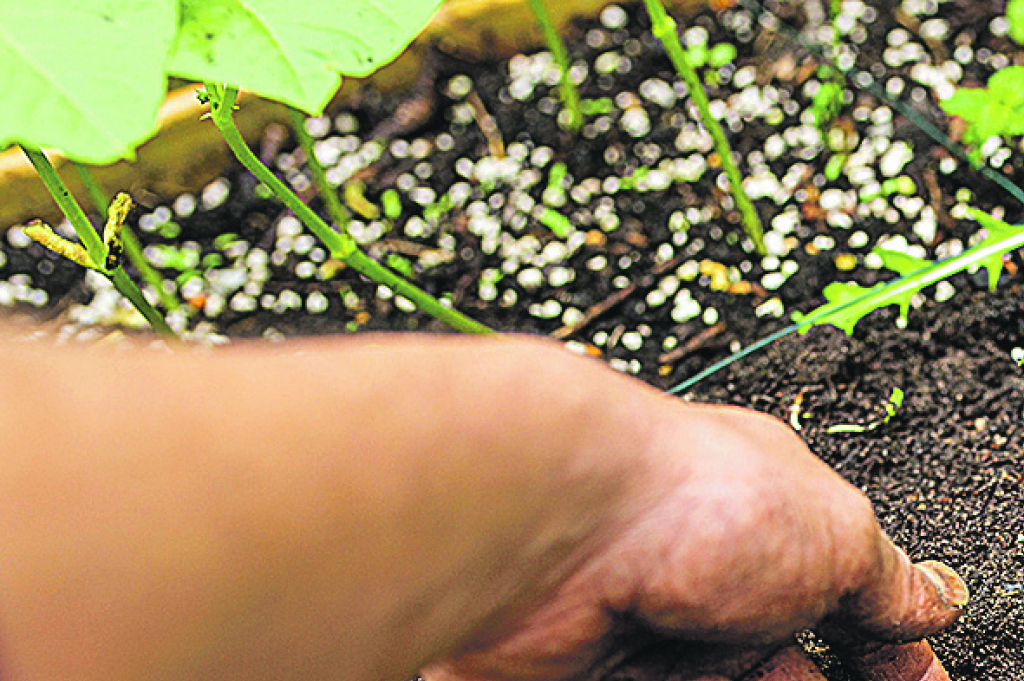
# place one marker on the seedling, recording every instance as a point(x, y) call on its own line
point(1017, 355)
point(828, 101)
point(848, 303)
point(664, 28)
point(891, 407)
point(997, 109)
point(570, 95)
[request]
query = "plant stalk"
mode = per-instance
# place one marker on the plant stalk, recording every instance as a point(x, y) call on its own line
point(132, 246)
point(335, 209)
point(570, 95)
point(664, 28)
point(91, 240)
point(341, 246)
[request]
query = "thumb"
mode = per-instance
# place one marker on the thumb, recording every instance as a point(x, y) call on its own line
point(901, 601)
point(904, 602)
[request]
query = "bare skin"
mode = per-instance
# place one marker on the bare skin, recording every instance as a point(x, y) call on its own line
point(363, 509)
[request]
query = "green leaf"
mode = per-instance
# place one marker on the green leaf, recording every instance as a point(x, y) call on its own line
point(721, 54)
point(998, 231)
point(85, 77)
point(967, 102)
point(1008, 85)
point(841, 310)
point(848, 303)
point(293, 51)
point(994, 120)
point(900, 262)
point(1015, 15)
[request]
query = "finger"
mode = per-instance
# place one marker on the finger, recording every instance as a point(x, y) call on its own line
point(899, 601)
point(788, 664)
point(888, 662)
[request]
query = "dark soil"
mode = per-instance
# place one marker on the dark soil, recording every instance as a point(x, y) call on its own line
point(944, 473)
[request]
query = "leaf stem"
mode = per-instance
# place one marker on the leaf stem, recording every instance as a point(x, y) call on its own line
point(132, 246)
point(570, 95)
point(91, 240)
point(338, 213)
point(341, 246)
point(664, 28)
point(67, 203)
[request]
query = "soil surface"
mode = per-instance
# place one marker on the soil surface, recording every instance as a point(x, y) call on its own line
point(653, 273)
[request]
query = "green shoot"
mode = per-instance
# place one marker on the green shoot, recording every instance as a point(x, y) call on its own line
point(596, 107)
point(891, 409)
point(559, 225)
point(1017, 355)
point(997, 109)
point(828, 101)
point(664, 29)
point(848, 303)
point(330, 197)
point(340, 245)
point(570, 95)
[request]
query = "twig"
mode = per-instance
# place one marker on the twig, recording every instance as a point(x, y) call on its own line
point(488, 126)
point(414, 112)
point(692, 345)
point(598, 309)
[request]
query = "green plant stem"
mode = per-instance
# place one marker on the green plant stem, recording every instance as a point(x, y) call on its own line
point(335, 209)
point(132, 246)
point(570, 95)
point(91, 240)
point(67, 204)
point(664, 28)
point(341, 246)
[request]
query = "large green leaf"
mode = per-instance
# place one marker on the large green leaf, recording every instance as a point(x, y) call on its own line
point(86, 77)
point(293, 51)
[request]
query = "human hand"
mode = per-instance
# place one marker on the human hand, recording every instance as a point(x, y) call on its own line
point(356, 509)
point(733, 538)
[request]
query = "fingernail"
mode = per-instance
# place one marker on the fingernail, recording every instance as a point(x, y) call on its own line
point(788, 664)
point(907, 662)
point(951, 589)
